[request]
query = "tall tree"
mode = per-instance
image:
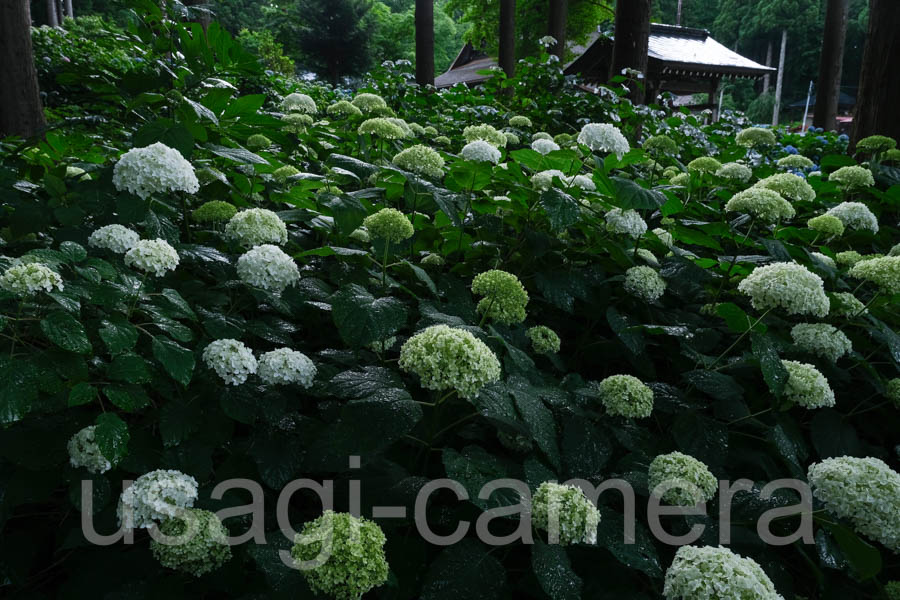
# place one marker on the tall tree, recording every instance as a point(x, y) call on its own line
point(632, 38)
point(779, 79)
point(70, 12)
point(830, 64)
point(425, 42)
point(559, 16)
point(52, 19)
point(507, 58)
point(879, 87)
point(21, 112)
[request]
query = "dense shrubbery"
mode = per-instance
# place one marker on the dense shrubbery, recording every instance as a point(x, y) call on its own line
point(568, 314)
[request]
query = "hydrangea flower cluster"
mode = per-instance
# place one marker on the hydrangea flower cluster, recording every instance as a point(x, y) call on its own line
point(665, 237)
point(704, 164)
point(296, 122)
point(644, 283)
point(848, 258)
point(155, 497)
point(27, 279)
point(381, 127)
point(708, 573)
point(214, 211)
point(883, 271)
point(340, 555)
point(422, 160)
point(403, 125)
point(790, 286)
point(520, 122)
point(255, 226)
point(199, 543)
point(543, 180)
point(661, 145)
point(297, 102)
point(892, 390)
point(626, 221)
point(681, 179)
point(504, 299)
point(152, 256)
point(830, 225)
point(582, 181)
point(268, 267)
point(258, 141)
point(822, 340)
point(543, 339)
point(389, 224)
point(368, 103)
point(892, 590)
point(793, 187)
point(626, 396)
point(343, 108)
point(511, 138)
point(285, 366)
point(544, 146)
point(433, 260)
point(603, 137)
point(752, 137)
point(845, 304)
point(485, 133)
point(865, 491)
point(825, 260)
point(686, 481)
point(231, 360)
point(447, 358)
point(876, 144)
point(154, 169)
point(735, 171)
point(806, 386)
point(84, 452)
point(565, 513)
point(116, 238)
point(480, 151)
point(852, 177)
point(764, 204)
point(541, 135)
point(795, 161)
point(855, 215)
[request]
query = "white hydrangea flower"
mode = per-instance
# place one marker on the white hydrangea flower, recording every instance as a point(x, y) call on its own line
point(27, 279)
point(543, 180)
point(735, 171)
point(480, 151)
point(155, 497)
point(544, 146)
point(152, 256)
point(855, 215)
point(603, 137)
point(84, 452)
point(582, 181)
point(665, 237)
point(883, 271)
point(822, 340)
point(644, 283)
point(806, 386)
point(708, 573)
point(231, 360)
point(299, 103)
point(285, 366)
point(685, 480)
point(117, 238)
point(789, 286)
point(565, 513)
point(648, 257)
point(256, 226)
point(627, 222)
point(825, 260)
point(865, 491)
point(154, 169)
point(547, 41)
point(268, 267)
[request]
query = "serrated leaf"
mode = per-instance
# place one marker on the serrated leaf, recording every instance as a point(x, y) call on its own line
point(348, 213)
point(177, 421)
point(537, 417)
point(179, 305)
point(553, 570)
point(773, 370)
point(239, 155)
point(362, 319)
point(832, 436)
point(111, 436)
point(473, 467)
point(73, 251)
point(631, 195)
point(718, 385)
point(17, 390)
point(66, 331)
point(129, 368)
point(82, 393)
point(118, 334)
point(176, 360)
point(128, 399)
point(362, 382)
point(561, 209)
point(464, 570)
point(864, 558)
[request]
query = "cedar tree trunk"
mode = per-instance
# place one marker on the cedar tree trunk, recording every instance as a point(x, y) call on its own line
point(425, 42)
point(632, 37)
point(879, 87)
point(829, 85)
point(21, 112)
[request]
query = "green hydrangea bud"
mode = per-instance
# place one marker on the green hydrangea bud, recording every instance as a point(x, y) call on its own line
point(520, 122)
point(645, 283)
point(486, 133)
point(704, 164)
point(845, 304)
point(793, 187)
point(892, 590)
point(827, 224)
point(381, 127)
point(795, 161)
point(342, 108)
point(626, 396)
point(257, 141)
point(198, 542)
point(753, 137)
point(661, 145)
point(389, 224)
point(421, 160)
point(341, 556)
point(281, 174)
point(543, 339)
point(876, 143)
point(368, 103)
point(504, 299)
point(565, 513)
point(685, 480)
point(214, 211)
point(883, 272)
point(852, 177)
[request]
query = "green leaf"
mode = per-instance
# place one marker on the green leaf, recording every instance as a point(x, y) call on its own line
point(473, 468)
point(832, 436)
point(701, 437)
point(348, 213)
point(864, 558)
point(561, 208)
point(735, 317)
point(718, 385)
point(176, 360)
point(82, 393)
point(177, 421)
point(639, 553)
point(464, 570)
point(240, 155)
point(118, 334)
point(554, 571)
point(73, 251)
point(630, 336)
point(167, 131)
point(422, 275)
point(773, 370)
point(18, 389)
point(693, 236)
point(178, 306)
point(362, 382)
point(836, 161)
point(245, 105)
point(537, 417)
point(362, 319)
point(631, 195)
point(129, 368)
point(111, 436)
point(65, 331)
point(127, 398)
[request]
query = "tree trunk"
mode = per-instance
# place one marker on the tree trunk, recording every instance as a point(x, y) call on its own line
point(765, 89)
point(70, 12)
point(559, 16)
point(21, 112)
point(630, 44)
point(60, 13)
point(830, 62)
point(779, 79)
point(425, 42)
point(52, 21)
point(507, 59)
point(879, 87)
